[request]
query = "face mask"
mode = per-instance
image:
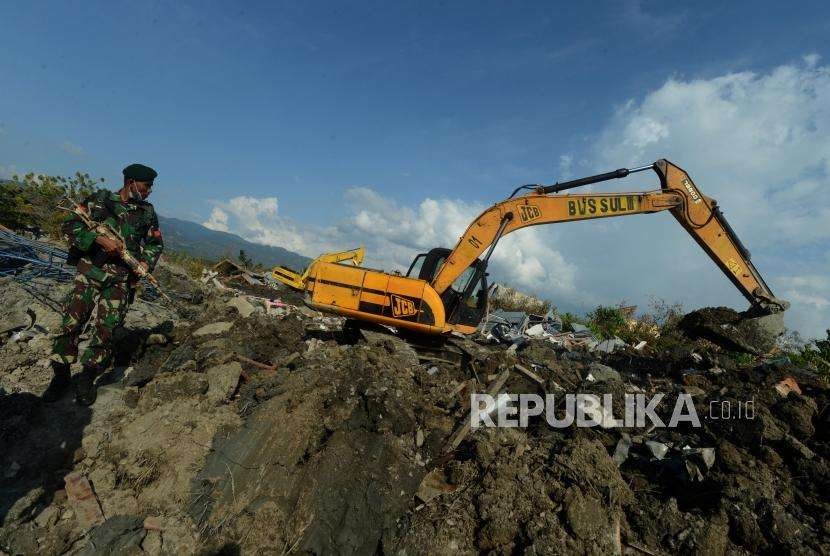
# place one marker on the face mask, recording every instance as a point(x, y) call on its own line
point(134, 195)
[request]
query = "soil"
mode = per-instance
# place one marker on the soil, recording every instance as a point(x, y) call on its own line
point(290, 433)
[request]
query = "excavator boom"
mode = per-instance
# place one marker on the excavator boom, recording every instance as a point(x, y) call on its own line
point(699, 215)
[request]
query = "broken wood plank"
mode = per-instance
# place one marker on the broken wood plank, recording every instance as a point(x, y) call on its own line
point(257, 364)
point(463, 430)
point(437, 360)
point(529, 374)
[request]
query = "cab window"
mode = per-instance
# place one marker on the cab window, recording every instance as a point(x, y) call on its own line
point(415, 268)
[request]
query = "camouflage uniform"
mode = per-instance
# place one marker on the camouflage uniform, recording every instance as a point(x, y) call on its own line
point(103, 282)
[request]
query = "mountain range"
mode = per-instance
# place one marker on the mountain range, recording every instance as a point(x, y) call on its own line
point(199, 241)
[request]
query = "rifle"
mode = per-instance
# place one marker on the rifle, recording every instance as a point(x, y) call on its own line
point(109, 232)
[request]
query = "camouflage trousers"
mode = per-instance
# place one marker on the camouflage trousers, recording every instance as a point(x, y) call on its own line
point(110, 300)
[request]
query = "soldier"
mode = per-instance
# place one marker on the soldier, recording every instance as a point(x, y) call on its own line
point(103, 282)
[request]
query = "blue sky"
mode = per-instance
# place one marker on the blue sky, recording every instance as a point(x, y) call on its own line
point(306, 124)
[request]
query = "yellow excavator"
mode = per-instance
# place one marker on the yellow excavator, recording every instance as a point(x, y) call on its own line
point(297, 281)
point(445, 290)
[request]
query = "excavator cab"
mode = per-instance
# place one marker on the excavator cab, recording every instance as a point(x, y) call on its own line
point(466, 299)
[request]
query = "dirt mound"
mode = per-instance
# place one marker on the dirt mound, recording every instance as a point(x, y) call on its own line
point(729, 329)
point(245, 425)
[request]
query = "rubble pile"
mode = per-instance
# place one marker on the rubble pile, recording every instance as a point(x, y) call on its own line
point(250, 423)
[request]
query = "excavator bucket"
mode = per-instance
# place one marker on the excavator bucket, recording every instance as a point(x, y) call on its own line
point(748, 332)
point(297, 281)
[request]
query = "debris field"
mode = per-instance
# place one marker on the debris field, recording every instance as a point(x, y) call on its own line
point(240, 423)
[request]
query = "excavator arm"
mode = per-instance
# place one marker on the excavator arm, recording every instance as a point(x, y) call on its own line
point(698, 214)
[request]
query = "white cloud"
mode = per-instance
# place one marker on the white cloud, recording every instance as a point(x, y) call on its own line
point(218, 220)
point(565, 166)
point(760, 145)
point(71, 148)
point(7, 171)
point(257, 219)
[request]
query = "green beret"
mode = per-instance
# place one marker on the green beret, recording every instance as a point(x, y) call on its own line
point(139, 172)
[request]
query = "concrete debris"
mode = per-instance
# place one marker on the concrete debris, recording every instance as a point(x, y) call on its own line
point(658, 450)
point(213, 328)
point(242, 305)
point(222, 381)
point(611, 345)
point(597, 372)
point(622, 449)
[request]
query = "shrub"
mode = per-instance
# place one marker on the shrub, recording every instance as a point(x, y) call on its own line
point(606, 322)
point(192, 265)
point(31, 201)
point(814, 355)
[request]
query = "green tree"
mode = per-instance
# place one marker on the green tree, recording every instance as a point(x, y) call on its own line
point(606, 322)
point(243, 258)
point(32, 200)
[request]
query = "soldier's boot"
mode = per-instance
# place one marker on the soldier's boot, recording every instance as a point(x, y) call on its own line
point(59, 383)
point(85, 392)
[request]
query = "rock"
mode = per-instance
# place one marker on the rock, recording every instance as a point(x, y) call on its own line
point(621, 450)
point(307, 311)
point(83, 501)
point(603, 373)
point(797, 448)
point(419, 438)
point(223, 380)
point(729, 329)
point(585, 514)
point(152, 543)
point(169, 387)
point(152, 523)
point(131, 396)
point(214, 328)
point(798, 411)
point(433, 485)
point(156, 339)
point(11, 472)
point(48, 517)
point(658, 449)
point(242, 305)
point(121, 534)
point(771, 457)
